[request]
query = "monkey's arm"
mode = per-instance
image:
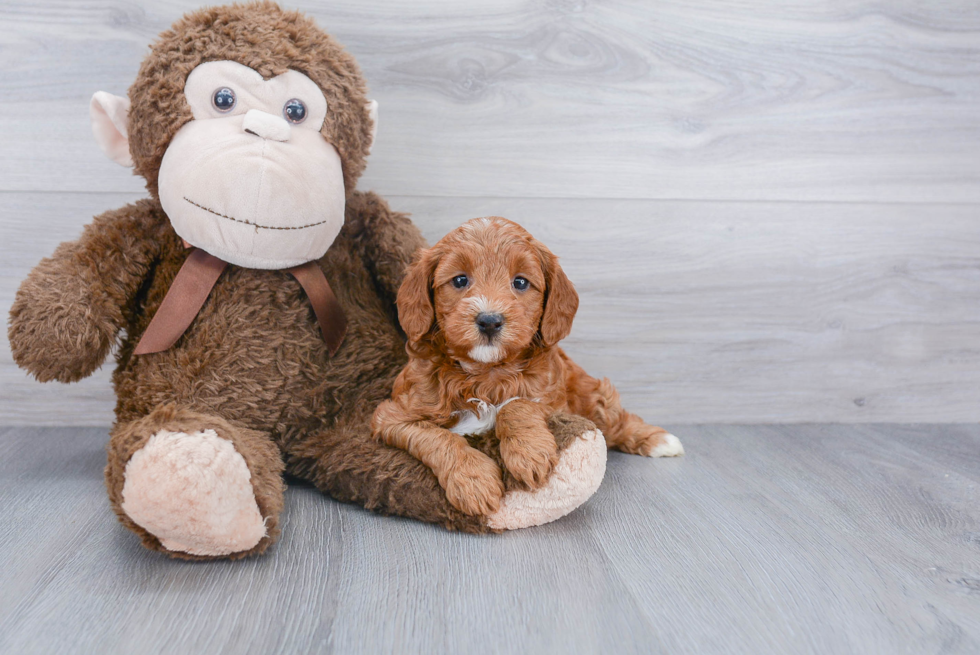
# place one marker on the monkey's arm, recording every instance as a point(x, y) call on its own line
point(389, 240)
point(68, 311)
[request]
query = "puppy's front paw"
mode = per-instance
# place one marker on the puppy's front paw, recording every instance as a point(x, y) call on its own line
point(657, 442)
point(474, 486)
point(530, 456)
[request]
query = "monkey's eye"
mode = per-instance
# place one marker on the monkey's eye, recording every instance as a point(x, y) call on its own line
point(294, 111)
point(521, 283)
point(223, 99)
point(460, 281)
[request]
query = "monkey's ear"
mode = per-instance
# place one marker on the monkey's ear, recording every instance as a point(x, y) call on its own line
point(373, 113)
point(415, 311)
point(110, 121)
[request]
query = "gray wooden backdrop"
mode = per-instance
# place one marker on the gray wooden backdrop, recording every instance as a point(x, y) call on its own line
point(771, 208)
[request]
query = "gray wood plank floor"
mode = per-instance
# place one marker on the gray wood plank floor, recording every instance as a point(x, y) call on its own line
point(763, 539)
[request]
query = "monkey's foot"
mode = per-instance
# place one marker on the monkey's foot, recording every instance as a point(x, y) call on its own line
point(574, 479)
point(194, 493)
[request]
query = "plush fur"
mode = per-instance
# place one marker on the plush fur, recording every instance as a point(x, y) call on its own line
point(253, 368)
point(577, 476)
point(265, 38)
point(193, 492)
point(491, 272)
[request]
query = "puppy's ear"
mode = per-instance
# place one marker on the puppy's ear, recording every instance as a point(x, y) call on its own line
point(560, 299)
point(415, 311)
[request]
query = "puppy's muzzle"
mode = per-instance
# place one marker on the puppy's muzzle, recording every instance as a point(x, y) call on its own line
point(489, 324)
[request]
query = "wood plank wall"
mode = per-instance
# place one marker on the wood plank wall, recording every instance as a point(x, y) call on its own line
point(771, 209)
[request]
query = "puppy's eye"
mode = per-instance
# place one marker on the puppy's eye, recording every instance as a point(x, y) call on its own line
point(460, 281)
point(520, 283)
point(294, 111)
point(223, 99)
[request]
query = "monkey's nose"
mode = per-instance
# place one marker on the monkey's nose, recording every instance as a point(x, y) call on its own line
point(490, 324)
point(266, 125)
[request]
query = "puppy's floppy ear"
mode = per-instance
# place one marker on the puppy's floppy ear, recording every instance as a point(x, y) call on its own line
point(415, 311)
point(560, 299)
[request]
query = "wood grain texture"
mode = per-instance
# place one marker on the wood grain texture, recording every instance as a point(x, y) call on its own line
point(579, 119)
point(698, 311)
point(791, 539)
point(870, 100)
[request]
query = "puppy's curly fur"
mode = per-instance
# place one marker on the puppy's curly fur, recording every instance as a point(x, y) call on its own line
point(483, 310)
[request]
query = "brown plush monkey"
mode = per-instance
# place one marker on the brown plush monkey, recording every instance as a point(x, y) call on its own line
point(254, 292)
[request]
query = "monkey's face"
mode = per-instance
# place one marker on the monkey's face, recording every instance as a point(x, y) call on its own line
point(251, 179)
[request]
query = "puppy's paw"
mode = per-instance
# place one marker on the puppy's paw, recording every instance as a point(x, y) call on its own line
point(474, 486)
point(655, 442)
point(530, 456)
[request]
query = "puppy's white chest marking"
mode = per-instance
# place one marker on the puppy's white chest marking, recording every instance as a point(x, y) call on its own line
point(483, 419)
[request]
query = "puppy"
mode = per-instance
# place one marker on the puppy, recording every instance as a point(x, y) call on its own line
point(483, 310)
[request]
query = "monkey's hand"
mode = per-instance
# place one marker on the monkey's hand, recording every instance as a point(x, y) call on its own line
point(68, 311)
point(389, 239)
point(58, 328)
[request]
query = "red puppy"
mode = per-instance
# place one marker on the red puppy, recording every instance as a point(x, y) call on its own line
point(483, 310)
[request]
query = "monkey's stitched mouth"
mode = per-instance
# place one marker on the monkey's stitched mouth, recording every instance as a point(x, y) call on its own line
point(255, 225)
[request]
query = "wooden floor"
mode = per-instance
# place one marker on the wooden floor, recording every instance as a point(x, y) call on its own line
point(763, 539)
point(769, 209)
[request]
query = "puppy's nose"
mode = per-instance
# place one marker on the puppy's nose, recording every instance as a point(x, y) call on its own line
point(490, 324)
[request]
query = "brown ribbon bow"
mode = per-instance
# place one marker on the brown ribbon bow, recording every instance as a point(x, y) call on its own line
point(194, 282)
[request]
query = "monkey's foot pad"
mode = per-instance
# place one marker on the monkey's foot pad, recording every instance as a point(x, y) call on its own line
point(193, 492)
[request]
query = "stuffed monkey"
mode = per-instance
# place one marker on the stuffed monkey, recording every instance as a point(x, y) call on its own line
point(250, 297)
